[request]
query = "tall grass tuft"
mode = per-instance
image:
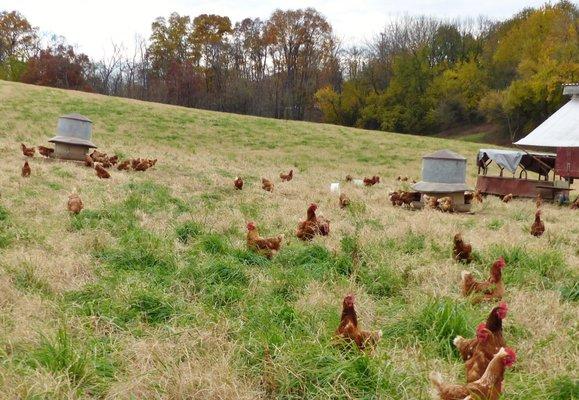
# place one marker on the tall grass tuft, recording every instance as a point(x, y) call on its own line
point(435, 325)
point(3, 214)
point(140, 250)
point(61, 355)
point(564, 388)
point(546, 269)
point(152, 307)
point(6, 234)
point(320, 370)
point(188, 230)
point(213, 243)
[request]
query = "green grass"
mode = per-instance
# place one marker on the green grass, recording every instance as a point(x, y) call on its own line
point(150, 291)
point(61, 356)
point(434, 325)
point(188, 230)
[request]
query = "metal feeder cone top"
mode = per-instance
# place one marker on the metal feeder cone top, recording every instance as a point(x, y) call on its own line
point(73, 139)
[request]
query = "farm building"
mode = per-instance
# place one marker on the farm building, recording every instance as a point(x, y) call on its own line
point(555, 170)
point(73, 140)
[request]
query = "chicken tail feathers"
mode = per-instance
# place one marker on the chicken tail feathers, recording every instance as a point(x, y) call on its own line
point(435, 379)
point(464, 275)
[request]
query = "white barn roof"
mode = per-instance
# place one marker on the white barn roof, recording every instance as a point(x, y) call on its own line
point(560, 130)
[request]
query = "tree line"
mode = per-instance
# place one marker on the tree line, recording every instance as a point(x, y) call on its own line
point(419, 75)
point(423, 75)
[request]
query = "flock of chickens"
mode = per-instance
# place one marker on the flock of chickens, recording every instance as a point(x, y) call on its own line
point(315, 225)
point(486, 355)
point(97, 160)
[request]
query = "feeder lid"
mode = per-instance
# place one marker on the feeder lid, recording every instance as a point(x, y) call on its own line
point(77, 117)
point(445, 155)
point(73, 140)
point(438, 187)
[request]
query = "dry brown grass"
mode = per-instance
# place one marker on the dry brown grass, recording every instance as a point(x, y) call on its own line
point(200, 153)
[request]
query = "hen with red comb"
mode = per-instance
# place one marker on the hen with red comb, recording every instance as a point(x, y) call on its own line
point(492, 288)
point(487, 387)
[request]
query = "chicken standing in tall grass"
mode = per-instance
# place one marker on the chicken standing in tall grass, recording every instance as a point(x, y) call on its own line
point(267, 247)
point(349, 330)
point(461, 250)
point(538, 227)
point(27, 151)
point(488, 341)
point(75, 204)
point(313, 225)
point(492, 288)
point(488, 387)
point(287, 177)
point(267, 185)
point(26, 171)
point(493, 323)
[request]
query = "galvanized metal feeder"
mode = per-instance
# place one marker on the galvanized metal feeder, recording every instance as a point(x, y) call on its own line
point(444, 175)
point(73, 140)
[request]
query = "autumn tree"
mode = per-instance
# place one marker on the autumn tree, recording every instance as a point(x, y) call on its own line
point(58, 67)
point(301, 46)
point(419, 75)
point(530, 57)
point(18, 41)
point(210, 46)
point(169, 43)
point(249, 49)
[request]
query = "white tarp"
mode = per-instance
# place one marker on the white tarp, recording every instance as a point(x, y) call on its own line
point(560, 130)
point(508, 159)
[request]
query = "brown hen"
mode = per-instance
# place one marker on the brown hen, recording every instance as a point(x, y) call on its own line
point(267, 247)
point(349, 330)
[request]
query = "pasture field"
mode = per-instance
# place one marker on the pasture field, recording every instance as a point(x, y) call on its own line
point(150, 292)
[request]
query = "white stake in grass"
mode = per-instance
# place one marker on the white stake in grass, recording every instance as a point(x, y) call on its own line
point(335, 187)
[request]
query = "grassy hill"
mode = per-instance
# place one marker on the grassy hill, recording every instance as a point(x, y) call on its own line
point(150, 292)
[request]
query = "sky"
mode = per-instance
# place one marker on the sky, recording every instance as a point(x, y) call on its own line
point(93, 26)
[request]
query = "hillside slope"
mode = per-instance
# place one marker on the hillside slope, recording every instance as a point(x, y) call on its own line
point(150, 293)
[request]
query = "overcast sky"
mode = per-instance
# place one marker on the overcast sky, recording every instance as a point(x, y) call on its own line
point(92, 26)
